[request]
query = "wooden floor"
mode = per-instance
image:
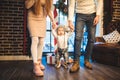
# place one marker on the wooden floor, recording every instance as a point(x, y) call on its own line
point(22, 70)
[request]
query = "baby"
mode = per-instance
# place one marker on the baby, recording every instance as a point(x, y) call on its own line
point(62, 37)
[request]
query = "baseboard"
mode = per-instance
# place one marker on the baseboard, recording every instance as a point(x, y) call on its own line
point(2, 58)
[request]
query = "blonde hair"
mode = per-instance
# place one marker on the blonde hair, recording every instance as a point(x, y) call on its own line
point(37, 9)
point(60, 26)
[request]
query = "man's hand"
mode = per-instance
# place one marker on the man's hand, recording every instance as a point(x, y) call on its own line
point(96, 20)
point(70, 24)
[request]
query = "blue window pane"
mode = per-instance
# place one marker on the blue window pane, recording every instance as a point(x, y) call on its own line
point(71, 43)
point(52, 43)
point(47, 43)
point(48, 24)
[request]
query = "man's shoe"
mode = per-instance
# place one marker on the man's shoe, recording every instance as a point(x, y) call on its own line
point(88, 65)
point(75, 67)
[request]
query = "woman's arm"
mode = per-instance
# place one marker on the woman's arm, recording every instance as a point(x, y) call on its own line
point(51, 16)
point(29, 3)
point(54, 33)
point(52, 19)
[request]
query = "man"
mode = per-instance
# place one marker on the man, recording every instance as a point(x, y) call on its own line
point(87, 13)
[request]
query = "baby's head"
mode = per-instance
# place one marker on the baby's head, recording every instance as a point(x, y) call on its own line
point(60, 30)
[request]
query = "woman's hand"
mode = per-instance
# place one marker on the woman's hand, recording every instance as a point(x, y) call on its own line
point(54, 25)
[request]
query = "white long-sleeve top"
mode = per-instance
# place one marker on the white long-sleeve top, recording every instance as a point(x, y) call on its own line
point(84, 7)
point(62, 41)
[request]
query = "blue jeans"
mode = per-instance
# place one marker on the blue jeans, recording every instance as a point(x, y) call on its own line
point(80, 21)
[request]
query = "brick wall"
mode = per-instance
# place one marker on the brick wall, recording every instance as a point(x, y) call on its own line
point(11, 27)
point(116, 10)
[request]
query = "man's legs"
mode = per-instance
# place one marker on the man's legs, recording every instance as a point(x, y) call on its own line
point(79, 26)
point(91, 29)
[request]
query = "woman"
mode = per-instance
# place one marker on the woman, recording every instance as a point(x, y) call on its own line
point(37, 13)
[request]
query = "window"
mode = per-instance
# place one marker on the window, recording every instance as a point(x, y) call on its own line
point(49, 40)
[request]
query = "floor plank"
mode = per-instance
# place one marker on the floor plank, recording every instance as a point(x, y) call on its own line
point(22, 70)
